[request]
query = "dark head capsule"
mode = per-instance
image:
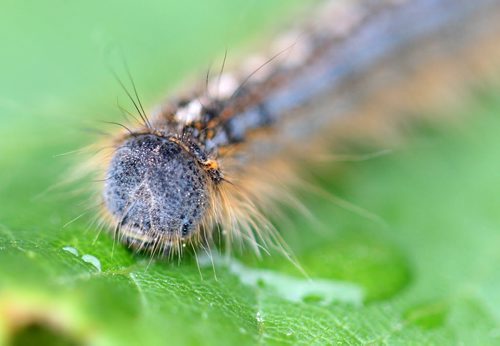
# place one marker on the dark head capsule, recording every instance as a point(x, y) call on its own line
point(156, 190)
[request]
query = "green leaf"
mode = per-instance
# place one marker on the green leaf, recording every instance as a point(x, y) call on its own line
point(427, 274)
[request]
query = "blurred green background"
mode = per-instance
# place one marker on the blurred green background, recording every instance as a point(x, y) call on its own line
point(425, 270)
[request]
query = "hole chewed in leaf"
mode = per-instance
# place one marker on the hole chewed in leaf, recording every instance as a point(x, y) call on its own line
point(38, 333)
point(26, 319)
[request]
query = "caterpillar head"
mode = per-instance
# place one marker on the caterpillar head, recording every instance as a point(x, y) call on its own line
point(157, 192)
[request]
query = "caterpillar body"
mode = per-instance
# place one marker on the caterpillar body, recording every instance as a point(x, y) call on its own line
point(212, 162)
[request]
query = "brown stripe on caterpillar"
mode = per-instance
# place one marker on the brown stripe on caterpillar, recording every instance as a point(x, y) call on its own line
point(218, 159)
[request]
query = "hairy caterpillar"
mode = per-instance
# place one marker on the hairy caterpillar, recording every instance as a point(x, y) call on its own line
point(213, 161)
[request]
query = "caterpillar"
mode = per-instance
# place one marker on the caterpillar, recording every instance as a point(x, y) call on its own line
point(215, 161)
